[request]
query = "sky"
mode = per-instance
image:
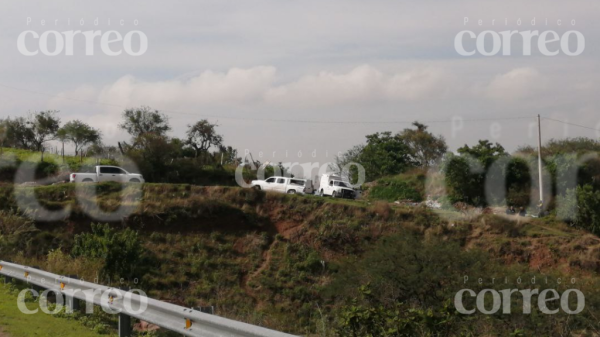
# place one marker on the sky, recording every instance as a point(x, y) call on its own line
point(301, 81)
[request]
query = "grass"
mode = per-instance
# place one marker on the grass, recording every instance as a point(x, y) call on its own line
point(17, 324)
point(264, 258)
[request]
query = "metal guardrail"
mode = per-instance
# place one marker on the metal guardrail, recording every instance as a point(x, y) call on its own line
point(185, 321)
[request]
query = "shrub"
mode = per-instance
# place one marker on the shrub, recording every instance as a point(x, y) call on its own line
point(15, 232)
point(402, 187)
point(581, 208)
point(121, 250)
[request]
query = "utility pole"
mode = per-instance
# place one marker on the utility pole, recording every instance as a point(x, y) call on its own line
point(540, 158)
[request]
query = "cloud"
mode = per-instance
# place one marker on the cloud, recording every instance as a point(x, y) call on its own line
point(516, 84)
point(361, 84)
point(258, 86)
point(234, 86)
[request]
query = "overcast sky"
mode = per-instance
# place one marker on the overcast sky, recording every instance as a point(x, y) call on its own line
point(251, 65)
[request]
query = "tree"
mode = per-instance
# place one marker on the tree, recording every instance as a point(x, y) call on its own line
point(202, 135)
point(466, 184)
point(229, 154)
point(142, 121)
point(61, 135)
point(18, 134)
point(384, 154)
point(44, 126)
point(80, 134)
point(485, 152)
point(425, 148)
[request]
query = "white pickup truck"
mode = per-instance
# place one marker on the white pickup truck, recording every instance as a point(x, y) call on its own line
point(284, 185)
point(104, 173)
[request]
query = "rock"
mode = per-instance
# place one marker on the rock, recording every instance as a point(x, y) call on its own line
point(144, 326)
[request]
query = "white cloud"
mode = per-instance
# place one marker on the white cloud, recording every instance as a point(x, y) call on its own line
point(516, 84)
point(258, 86)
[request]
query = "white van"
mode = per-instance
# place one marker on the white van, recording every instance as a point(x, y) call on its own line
point(284, 185)
point(333, 185)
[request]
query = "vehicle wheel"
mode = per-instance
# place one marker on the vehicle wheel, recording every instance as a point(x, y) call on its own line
point(257, 188)
point(321, 193)
point(134, 181)
point(292, 192)
point(87, 181)
point(334, 194)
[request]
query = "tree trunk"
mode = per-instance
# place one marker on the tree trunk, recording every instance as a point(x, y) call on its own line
point(121, 148)
point(63, 152)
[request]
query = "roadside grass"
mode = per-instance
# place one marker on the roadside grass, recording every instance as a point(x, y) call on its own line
point(16, 324)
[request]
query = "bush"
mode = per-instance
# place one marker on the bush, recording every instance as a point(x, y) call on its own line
point(15, 232)
point(402, 187)
point(580, 207)
point(121, 250)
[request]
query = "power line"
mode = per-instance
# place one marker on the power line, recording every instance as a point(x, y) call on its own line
point(269, 119)
point(573, 124)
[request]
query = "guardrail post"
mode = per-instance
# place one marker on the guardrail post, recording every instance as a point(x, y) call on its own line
point(72, 302)
point(124, 322)
point(124, 325)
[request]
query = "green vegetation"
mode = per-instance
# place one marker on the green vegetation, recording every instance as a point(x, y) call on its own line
point(17, 324)
point(581, 208)
point(400, 187)
point(121, 251)
point(305, 265)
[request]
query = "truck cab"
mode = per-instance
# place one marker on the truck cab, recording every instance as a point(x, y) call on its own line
point(333, 185)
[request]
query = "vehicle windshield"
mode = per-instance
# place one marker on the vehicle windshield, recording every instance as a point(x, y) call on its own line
point(341, 184)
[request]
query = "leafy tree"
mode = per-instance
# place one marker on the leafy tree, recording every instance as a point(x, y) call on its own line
point(425, 148)
point(348, 157)
point(485, 152)
point(18, 133)
point(43, 126)
point(80, 134)
point(143, 121)
point(202, 135)
point(383, 155)
point(466, 173)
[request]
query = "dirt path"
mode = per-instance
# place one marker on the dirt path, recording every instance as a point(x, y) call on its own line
point(267, 255)
point(266, 261)
point(3, 334)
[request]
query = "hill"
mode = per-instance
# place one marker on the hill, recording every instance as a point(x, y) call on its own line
point(303, 264)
